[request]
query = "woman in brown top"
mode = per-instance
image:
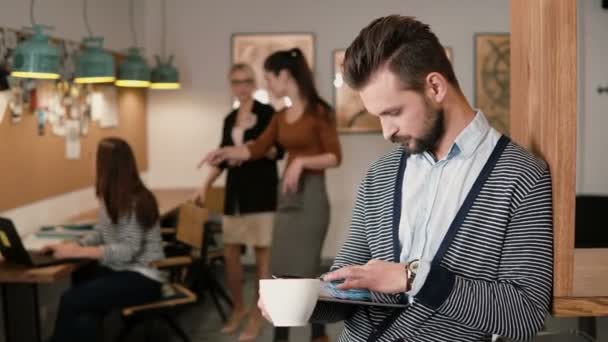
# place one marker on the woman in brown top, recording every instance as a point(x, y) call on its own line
point(307, 132)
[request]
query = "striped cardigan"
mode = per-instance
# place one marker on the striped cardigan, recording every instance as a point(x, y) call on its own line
point(492, 273)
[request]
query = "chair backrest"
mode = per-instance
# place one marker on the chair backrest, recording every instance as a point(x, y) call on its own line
point(591, 229)
point(214, 200)
point(190, 224)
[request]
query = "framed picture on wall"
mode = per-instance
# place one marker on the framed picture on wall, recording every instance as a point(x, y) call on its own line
point(351, 115)
point(253, 48)
point(492, 78)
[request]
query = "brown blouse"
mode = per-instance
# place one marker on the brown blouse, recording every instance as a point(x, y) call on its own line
point(309, 135)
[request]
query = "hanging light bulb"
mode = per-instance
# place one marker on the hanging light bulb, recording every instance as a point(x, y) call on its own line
point(133, 71)
point(94, 65)
point(35, 57)
point(165, 76)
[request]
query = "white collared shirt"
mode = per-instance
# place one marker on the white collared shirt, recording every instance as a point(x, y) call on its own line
point(433, 192)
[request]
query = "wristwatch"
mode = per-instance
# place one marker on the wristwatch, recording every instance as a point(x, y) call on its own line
point(411, 268)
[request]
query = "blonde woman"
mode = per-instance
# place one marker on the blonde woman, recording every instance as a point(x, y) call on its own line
point(250, 197)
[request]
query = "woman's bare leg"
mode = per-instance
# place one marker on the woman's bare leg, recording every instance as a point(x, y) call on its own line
point(234, 281)
point(255, 322)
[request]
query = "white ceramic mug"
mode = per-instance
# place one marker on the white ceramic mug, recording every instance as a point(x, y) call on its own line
point(289, 302)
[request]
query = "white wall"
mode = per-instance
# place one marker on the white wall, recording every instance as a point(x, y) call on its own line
point(592, 166)
point(109, 18)
point(186, 124)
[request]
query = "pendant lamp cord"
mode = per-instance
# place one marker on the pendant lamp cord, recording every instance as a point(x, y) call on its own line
point(131, 16)
point(86, 18)
point(164, 28)
point(32, 13)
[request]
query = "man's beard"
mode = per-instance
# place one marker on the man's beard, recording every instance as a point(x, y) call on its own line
point(434, 129)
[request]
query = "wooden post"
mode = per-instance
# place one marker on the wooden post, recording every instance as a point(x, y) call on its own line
point(543, 110)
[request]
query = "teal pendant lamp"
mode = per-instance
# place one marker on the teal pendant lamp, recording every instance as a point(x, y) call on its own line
point(165, 76)
point(94, 65)
point(35, 57)
point(133, 71)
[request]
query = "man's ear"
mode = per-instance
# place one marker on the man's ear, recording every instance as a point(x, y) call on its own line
point(437, 86)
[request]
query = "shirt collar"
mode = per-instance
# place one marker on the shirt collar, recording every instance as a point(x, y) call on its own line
point(467, 141)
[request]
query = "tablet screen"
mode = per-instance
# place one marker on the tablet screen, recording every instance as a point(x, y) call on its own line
point(330, 293)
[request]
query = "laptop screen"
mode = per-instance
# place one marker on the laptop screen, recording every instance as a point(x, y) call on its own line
point(11, 246)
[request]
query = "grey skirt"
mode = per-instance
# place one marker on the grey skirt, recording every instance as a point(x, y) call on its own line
point(300, 228)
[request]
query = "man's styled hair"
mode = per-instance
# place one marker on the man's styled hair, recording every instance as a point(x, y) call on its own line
point(405, 45)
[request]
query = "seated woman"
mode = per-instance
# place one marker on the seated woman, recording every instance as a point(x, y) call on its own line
point(125, 241)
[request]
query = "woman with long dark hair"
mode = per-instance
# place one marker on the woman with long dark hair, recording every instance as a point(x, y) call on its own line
point(307, 131)
point(126, 239)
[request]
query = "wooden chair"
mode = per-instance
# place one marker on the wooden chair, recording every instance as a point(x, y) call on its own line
point(188, 233)
point(194, 238)
point(215, 200)
point(215, 204)
point(203, 279)
point(207, 255)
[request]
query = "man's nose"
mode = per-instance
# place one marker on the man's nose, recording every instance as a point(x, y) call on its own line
point(388, 129)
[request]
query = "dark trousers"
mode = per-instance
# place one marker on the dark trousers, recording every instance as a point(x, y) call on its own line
point(282, 333)
point(83, 307)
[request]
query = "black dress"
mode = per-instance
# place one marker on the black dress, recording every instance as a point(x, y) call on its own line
point(252, 186)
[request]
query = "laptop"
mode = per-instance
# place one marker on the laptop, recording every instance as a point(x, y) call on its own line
point(13, 250)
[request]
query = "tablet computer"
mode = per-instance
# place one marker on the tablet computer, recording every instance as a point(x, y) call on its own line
point(330, 293)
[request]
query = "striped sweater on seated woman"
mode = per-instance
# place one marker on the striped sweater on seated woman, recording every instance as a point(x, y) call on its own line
point(126, 245)
point(492, 273)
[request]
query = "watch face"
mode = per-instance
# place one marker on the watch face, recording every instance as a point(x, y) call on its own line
point(413, 265)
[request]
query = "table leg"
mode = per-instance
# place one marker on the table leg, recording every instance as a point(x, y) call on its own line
point(21, 312)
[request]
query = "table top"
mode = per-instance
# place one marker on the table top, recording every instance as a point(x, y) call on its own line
point(12, 273)
point(590, 290)
point(168, 200)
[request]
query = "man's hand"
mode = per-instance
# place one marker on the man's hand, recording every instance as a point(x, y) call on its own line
point(263, 308)
point(376, 275)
